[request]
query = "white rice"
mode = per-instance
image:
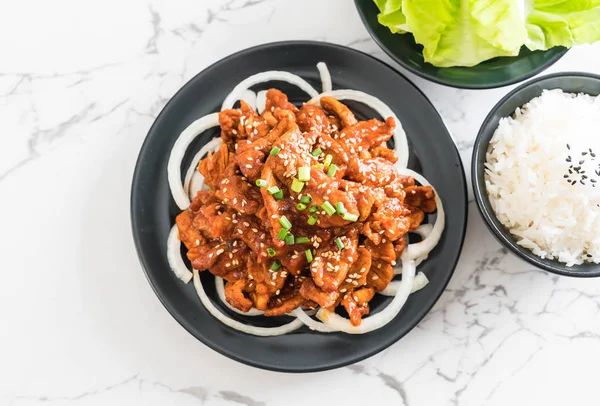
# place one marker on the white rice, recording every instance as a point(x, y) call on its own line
point(556, 217)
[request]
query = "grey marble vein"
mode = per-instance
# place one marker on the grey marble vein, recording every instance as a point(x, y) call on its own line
point(241, 399)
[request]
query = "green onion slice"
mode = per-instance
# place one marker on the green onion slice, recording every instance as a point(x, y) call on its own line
point(297, 185)
point(331, 171)
point(350, 217)
point(309, 256)
point(285, 223)
point(329, 209)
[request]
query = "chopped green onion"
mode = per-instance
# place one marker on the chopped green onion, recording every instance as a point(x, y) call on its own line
point(304, 173)
point(317, 152)
point(289, 239)
point(261, 182)
point(282, 233)
point(339, 207)
point(278, 195)
point(320, 166)
point(350, 217)
point(300, 206)
point(271, 252)
point(306, 199)
point(273, 189)
point(309, 256)
point(331, 170)
point(313, 209)
point(302, 240)
point(329, 209)
point(339, 243)
point(312, 220)
point(276, 265)
point(297, 185)
point(285, 223)
point(275, 151)
point(328, 160)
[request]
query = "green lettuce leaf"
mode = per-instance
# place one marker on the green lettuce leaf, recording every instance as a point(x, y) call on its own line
point(465, 32)
point(562, 23)
point(391, 15)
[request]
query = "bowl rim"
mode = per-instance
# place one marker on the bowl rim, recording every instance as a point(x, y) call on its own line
point(434, 79)
point(482, 200)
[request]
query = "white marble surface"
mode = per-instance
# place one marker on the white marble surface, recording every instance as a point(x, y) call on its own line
point(80, 84)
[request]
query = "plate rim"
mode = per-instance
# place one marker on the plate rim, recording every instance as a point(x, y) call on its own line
point(188, 326)
point(561, 51)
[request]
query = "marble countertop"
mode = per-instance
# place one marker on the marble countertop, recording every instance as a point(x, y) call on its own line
point(80, 85)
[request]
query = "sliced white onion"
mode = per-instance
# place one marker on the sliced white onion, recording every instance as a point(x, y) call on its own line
point(325, 77)
point(381, 108)
point(392, 288)
point(424, 230)
point(424, 247)
point(261, 101)
point(257, 331)
point(310, 323)
point(269, 76)
point(192, 172)
point(178, 152)
point(220, 286)
point(249, 97)
point(174, 256)
point(380, 319)
point(194, 180)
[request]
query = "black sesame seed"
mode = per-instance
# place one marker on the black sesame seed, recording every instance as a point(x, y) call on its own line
point(571, 172)
point(568, 159)
point(589, 255)
point(593, 155)
point(566, 176)
point(574, 182)
point(584, 153)
point(583, 176)
point(581, 162)
point(593, 180)
point(568, 146)
point(581, 182)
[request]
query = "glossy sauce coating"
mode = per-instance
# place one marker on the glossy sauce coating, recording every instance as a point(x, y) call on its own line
point(234, 230)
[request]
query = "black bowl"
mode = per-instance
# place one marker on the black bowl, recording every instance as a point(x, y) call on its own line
point(496, 72)
point(571, 82)
point(153, 211)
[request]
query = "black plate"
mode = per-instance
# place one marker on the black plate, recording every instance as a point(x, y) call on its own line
point(153, 210)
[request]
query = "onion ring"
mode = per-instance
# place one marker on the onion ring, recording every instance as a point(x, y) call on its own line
point(380, 319)
point(419, 283)
point(326, 82)
point(178, 152)
point(228, 321)
point(310, 323)
point(174, 256)
point(381, 108)
point(423, 248)
point(269, 76)
point(220, 287)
